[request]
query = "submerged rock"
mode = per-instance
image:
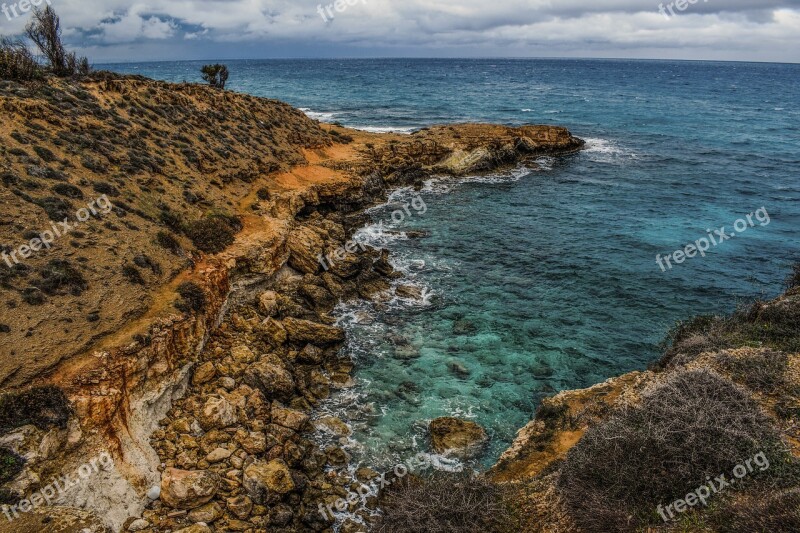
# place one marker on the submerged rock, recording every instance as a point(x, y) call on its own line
point(457, 438)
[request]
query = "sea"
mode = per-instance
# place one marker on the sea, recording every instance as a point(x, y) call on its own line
point(545, 278)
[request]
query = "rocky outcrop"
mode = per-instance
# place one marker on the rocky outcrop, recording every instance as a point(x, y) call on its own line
point(457, 438)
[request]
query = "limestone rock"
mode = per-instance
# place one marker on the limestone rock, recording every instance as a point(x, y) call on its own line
point(217, 413)
point(185, 489)
point(334, 426)
point(271, 377)
point(304, 331)
point(207, 513)
point(305, 247)
point(289, 418)
point(456, 437)
point(254, 443)
point(242, 354)
point(261, 479)
point(268, 303)
point(240, 506)
point(204, 373)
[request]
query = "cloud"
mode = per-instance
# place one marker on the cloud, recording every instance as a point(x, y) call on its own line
point(707, 29)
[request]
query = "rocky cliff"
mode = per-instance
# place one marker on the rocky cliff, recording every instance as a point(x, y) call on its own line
point(182, 325)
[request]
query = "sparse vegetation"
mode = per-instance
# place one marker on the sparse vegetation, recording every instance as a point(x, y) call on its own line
point(45, 31)
point(213, 233)
point(168, 241)
point(193, 297)
point(446, 503)
point(17, 62)
point(44, 407)
point(696, 424)
point(132, 274)
point(11, 464)
point(60, 277)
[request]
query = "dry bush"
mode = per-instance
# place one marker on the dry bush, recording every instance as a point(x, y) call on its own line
point(761, 510)
point(43, 407)
point(193, 297)
point(17, 62)
point(696, 424)
point(213, 233)
point(763, 372)
point(794, 279)
point(446, 503)
point(45, 31)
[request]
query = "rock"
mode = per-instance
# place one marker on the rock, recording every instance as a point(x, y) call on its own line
point(206, 514)
point(227, 383)
point(196, 528)
point(464, 327)
point(204, 373)
point(271, 377)
point(217, 455)
point(281, 515)
point(319, 297)
point(242, 354)
point(254, 443)
point(336, 456)
point(217, 413)
point(365, 475)
point(334, 426)
point(240, 506)
point(304, 331)
point(184, 489)
point(154, 492)
point(459, 369)
point(138, 525)
point(305, 248)
point(311, 355)
point(268, 303)
point(345, 266)
point(409, 292)
point(261, 479)
point(382, 266)
point(274, 332)
point(289, 418)
point(455, 437)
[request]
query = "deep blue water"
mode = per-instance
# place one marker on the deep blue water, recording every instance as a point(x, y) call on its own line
point(546, 279)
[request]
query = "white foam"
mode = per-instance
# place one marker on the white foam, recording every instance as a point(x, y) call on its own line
point(318, 115)
point(385, 129)
point(605, 151)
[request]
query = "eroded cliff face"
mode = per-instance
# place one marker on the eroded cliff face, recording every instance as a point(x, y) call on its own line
point(260, 346)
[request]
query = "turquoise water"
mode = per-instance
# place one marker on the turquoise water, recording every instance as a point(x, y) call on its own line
point(545, 279)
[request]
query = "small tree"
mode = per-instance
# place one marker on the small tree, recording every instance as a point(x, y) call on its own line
point(45, 31)
point(216, 75)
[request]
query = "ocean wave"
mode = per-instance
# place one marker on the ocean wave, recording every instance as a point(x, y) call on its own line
point(385, 129)
point(605, 151)
point(318, 115)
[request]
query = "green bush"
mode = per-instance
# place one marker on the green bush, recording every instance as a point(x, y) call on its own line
point(696, 424)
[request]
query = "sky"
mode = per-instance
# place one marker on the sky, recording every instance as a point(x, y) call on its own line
point(155, 30)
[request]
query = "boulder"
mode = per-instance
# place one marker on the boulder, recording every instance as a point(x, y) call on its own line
point(268, 303)
point(305, 247)
point(261, 479)
point(304, 331)
point(242, 354)
point(254, 443)
point(185, 489)
point(273, 331)
point(271, 377)
point(240, 506)
point(289, 418)
point(332, 425)
point(409, 292)
point(217, 413)
point(207, 513)
point(204, 373)
point(456, 437)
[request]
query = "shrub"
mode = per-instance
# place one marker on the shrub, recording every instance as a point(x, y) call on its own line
point(764, 371)
point(44, 407)
point(133, 275)
point(794, 279)
point(45, 154)
point(193, 298)
point(105, 188)
point(11, 464)
point(213, 233)
point(446, 503)
point(70, 191)
point(60, 277)
point(57, 209)
point(17, 62)
point(763, 509)
point(695, 425)
point(168, 241)
point(45, 31)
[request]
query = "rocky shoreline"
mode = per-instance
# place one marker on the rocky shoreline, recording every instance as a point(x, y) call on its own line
point(207, 413)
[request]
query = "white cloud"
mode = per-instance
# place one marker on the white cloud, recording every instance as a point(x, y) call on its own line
point(713, 29)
